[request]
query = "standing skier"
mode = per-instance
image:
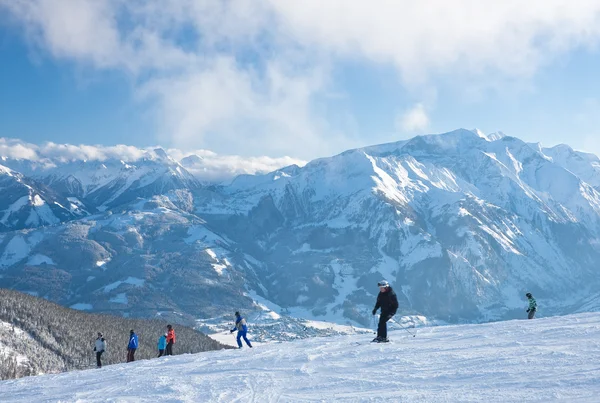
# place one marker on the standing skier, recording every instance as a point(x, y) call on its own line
point(132, 346)
point(387, 301)
point(242, 328)
point(170, 340)
point(532, 306)
point(162, 344)
point(99, 348)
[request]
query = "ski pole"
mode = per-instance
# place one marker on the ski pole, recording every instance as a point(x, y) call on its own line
point(374, 324)
point(402, 327)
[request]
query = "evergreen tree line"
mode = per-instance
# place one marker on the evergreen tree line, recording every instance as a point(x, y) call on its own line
point(57, 339)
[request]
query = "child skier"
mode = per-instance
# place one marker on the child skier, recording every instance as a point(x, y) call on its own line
point(162, 344)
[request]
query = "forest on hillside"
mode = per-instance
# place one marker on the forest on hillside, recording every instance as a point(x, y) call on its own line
point(38, 336)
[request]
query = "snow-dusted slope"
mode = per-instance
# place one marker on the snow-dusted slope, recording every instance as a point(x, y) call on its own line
point(152, 258)
point(586, 166)
point(25, 203)
point(546, 360)
point(111, 182)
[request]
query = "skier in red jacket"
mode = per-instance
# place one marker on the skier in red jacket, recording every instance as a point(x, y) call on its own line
point(170, 340)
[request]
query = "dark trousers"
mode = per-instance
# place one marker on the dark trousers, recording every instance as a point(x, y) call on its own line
point(161, 352)
point(531, 314)
point(169, 348)
point(98, 355)
point(242, 333)
point(130, 354)
point(382, 327)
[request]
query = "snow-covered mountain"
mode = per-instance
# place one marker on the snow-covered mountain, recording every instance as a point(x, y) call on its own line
point(461, 223)
point(545, 360)
point(110, 183)
point(27, 203)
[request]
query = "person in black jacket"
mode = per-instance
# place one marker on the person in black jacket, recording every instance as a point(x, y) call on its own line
point(387, 301)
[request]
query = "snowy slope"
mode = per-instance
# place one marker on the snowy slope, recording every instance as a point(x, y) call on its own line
point(584, 165)
point(25, 203)
point(112, 182)
point(545, 360)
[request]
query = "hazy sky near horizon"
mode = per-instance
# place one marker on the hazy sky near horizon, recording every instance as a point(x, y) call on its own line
point(304, 79)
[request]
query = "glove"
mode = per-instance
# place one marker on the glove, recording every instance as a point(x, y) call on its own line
point(231, 331)
point(528, 310)
point(374, 311)
point(94, 348)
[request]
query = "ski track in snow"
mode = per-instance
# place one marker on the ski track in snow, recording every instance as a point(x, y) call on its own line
point(544, 360)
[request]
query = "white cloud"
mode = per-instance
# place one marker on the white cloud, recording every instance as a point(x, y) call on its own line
point(17, 150)
point(206, 165)
point(218, 168)
point(413, 120)
point(440, 37)
point(248, 73)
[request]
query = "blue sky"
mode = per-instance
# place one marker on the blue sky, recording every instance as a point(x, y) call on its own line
point(303, 79)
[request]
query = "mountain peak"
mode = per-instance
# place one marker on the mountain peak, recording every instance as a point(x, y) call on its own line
point(479, 133)
point(496, 136)
point(160, 153)
point(191, 160)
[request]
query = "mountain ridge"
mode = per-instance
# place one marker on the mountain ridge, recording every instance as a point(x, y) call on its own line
point(463, 224)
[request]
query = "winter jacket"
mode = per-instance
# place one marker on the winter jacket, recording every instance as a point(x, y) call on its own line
point(171, 336)
point(532, 304)
point(162, 342)
point(133, 341)
point(100, 345)
point(388, 302)
point(240, 324)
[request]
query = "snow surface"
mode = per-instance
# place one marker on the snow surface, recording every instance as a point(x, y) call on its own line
point(16, 250)
point(543, 360)
point(80, 306)
point(138, 282)
point(39, 259)
point(7, 351)
point(101, 263)
point(119, 299)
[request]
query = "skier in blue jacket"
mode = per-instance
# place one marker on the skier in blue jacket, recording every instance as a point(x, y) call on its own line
point(162, 344)
point(132, 346)
point(242, 328)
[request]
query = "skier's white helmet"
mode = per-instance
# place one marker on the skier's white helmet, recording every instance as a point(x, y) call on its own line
point(383, 283)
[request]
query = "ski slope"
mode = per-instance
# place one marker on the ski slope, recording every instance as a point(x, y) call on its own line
point(543, 360)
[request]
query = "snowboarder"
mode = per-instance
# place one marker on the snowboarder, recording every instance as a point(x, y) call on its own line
point(532, 306)
point(242, 328)
point(162, 344)
point(132, 346)
point(99, 348)
point(387, 301)
point(170, 340)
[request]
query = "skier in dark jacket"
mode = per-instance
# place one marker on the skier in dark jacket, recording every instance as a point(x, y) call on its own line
point(532, 308)
point(387, 301)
